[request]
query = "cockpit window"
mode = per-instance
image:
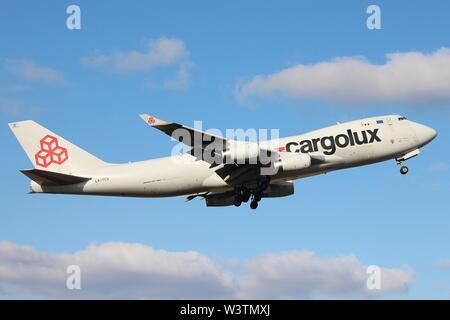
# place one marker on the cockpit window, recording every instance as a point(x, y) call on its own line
point(401, 118)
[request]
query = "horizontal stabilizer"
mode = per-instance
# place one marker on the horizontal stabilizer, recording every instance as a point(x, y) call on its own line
point(52, 178)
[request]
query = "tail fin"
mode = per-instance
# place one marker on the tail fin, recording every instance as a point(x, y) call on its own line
point(48, 151)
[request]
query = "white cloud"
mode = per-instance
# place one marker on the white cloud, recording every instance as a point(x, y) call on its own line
point(442, 264)
point(160, 52)
point(112, 270)
point(28, 70)
point(15, 107)
point(11, 106)
point(302, 274)
point(411, 77)
point(182, 79)
point(126, 270)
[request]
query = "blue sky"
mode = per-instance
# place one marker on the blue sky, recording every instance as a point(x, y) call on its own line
point(372, 212)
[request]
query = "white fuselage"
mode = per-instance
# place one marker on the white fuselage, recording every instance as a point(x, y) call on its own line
point(183, 174)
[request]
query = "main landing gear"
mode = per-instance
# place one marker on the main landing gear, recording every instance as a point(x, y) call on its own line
point(256, 197)
point(244, 194)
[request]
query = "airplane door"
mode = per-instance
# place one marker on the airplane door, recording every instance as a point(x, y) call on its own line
point(391, 130)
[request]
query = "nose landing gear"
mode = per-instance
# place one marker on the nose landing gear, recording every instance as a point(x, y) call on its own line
point(404, 170)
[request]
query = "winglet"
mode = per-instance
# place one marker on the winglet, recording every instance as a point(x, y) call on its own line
point(152, 121)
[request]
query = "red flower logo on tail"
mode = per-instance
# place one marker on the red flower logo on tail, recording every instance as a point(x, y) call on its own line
point(50, 152)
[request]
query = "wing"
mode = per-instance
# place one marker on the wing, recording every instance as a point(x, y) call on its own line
point(190, 136)
point(232, 173)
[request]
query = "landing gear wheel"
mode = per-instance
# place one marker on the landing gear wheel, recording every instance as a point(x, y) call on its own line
point(246, 196)
point(237, 200)
point(254, 204)
point(404, 170)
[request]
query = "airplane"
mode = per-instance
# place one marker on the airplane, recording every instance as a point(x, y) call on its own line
point(232, 174)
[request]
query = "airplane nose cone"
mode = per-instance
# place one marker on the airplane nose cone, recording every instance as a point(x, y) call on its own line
point(424, 133)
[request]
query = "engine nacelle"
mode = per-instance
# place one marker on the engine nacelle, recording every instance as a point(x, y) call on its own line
point(220, 199)
point(290, 161)
point(276, 190)
point(241, 152)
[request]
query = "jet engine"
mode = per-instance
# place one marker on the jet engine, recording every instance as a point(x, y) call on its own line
point(277, 190)
point(274, 190)
point(221, 199)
